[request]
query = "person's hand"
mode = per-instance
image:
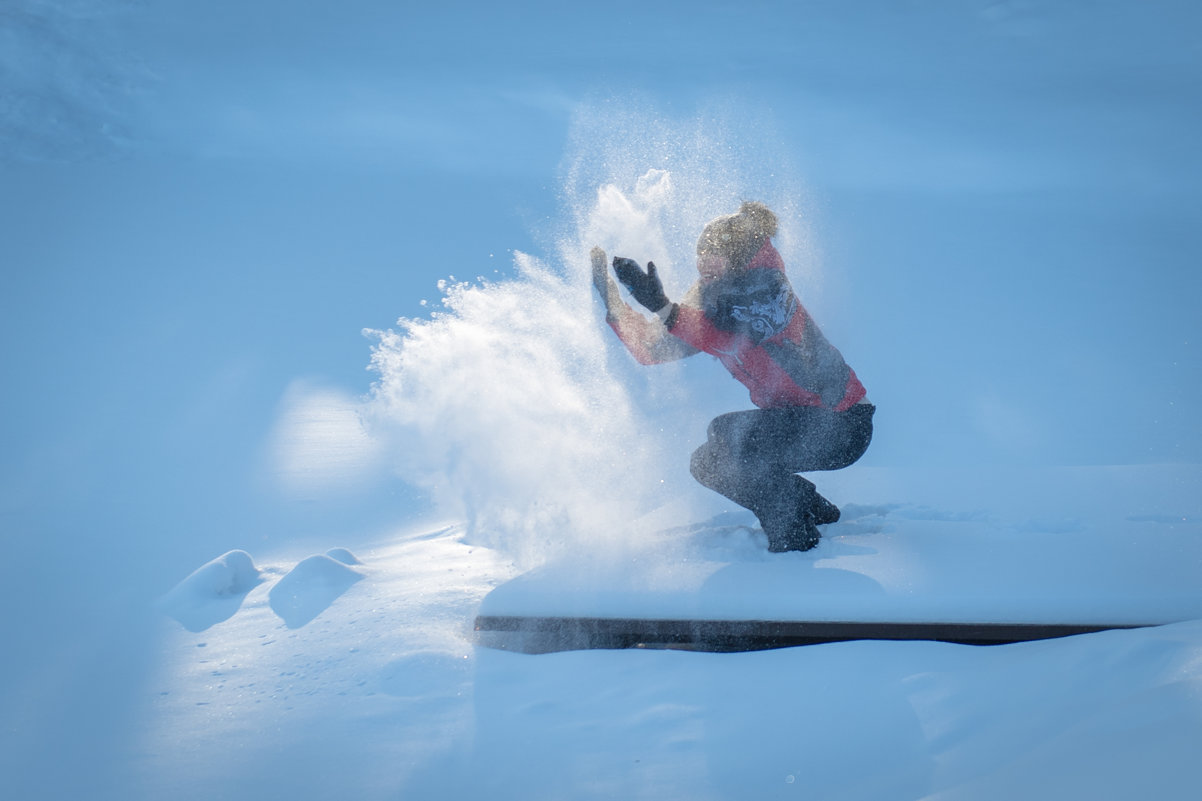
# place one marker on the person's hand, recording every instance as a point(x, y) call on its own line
point(601, 278)
point(646, 287)
point(605, 286)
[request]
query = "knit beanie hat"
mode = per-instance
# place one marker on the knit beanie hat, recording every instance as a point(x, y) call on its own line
point(738, 236)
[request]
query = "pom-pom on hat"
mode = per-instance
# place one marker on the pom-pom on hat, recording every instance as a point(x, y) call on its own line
point(738, 236)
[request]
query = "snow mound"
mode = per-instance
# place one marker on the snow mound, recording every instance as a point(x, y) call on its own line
point(310, 587)
point(213, 592)
point(344, 556)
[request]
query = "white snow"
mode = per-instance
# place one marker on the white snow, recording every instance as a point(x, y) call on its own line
point(310, 587)
point(989, 205)
point(1079, 546)
point(382, 692)
point(213, 592)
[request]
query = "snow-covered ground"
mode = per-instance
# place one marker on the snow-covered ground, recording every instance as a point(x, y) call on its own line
point(1086, 545)
point(375, 689)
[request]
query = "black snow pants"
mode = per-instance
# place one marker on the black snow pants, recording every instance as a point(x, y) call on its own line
point(753, 458)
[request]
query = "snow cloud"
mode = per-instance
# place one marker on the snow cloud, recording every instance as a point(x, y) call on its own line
point(502, 408)
point(514, 405)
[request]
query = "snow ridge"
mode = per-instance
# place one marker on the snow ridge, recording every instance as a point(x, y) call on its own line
point(215, 591)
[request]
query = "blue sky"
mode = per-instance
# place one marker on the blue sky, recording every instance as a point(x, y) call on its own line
point(203, 203)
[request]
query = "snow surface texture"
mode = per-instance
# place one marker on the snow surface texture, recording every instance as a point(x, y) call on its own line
point(907, 557)
point(383, 693)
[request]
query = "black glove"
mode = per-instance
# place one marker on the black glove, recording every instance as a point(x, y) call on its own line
point(646, 287)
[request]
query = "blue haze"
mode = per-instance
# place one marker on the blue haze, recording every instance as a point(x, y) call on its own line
point(201, 203)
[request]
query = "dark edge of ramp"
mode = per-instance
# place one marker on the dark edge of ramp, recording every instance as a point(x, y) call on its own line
point(536, 635)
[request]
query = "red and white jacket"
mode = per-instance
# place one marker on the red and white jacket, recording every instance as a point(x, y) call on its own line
point(754, 324)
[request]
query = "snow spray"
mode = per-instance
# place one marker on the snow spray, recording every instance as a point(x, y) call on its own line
point(516, 407)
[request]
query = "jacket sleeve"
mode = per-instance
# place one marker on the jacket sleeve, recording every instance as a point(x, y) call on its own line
point(647, 340)
point(690, 325)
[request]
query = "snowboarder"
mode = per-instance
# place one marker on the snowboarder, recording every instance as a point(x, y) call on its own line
point(812, 409)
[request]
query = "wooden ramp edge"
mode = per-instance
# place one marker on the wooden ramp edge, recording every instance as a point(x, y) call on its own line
point(536, 635)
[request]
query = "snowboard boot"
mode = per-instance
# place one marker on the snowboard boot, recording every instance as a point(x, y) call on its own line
point(790, 523)
point(796, 533)
point(796, 527)
point(824, 511)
